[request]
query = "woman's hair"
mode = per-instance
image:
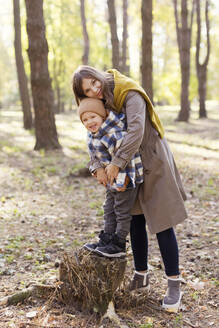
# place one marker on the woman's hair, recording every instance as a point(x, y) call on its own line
point(88, 72)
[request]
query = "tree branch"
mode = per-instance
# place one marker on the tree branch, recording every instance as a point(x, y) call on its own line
point(35, 290)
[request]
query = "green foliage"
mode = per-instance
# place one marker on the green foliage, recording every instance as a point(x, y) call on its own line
point(178, 322)
point(146, 325)
point(167, 89)
point(7, 94)
point(65, 41)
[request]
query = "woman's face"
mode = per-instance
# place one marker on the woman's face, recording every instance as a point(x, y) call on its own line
point(92, 88)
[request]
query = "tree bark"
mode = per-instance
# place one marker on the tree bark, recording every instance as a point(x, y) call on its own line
point(89, 281)
point(85, 57)
point(58, 69)
point(184, 44)
point(202, 68)
point(146, 47)
point(43, 100)
point(125, 67)
point(114, 36)
point(22, 78)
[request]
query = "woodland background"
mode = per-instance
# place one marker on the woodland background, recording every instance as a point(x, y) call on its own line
point(49, 205)
point(66, 46)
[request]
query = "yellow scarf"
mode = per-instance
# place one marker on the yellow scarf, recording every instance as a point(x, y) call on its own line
point(123, 85)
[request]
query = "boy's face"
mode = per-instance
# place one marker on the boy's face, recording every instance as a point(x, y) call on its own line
point(92, 121)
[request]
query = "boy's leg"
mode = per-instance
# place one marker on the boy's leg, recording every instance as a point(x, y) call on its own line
point(109, 213)
point(123, 203)
point(105, 235)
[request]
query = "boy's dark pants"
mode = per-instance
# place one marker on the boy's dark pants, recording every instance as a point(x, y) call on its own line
point(117, 211)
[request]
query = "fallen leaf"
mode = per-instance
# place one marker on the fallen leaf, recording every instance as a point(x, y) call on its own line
point(196, 284)
point(31, 314)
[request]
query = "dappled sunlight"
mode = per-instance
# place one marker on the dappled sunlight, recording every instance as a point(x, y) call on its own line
point(194, 144)
point(195, 157)
point(72, 136)
point(11, 125)
point(201, 140)
point(47, 208)
point(50, 203)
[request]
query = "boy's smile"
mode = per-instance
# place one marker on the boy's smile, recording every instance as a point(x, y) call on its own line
point(92, 121)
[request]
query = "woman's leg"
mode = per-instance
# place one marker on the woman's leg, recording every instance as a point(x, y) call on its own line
point(139, 242)
point(169, 251)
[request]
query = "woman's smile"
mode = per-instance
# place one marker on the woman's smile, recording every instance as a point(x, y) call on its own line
point(92, 88)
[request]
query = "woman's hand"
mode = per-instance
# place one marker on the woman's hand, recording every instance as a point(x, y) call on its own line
point(112, 172)
point(101, 176)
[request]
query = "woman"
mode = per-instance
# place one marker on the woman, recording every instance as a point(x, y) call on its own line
point(160, 198)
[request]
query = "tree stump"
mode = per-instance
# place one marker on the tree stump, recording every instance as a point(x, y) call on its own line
point(89, 281)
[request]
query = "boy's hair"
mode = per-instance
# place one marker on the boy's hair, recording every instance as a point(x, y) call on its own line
point(92, 105)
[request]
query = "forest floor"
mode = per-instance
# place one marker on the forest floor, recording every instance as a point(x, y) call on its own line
point(46, 210)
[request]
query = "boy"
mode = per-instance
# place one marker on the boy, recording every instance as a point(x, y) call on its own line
point(106, 130)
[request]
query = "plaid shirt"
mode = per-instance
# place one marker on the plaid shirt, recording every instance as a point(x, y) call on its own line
point(103, 144)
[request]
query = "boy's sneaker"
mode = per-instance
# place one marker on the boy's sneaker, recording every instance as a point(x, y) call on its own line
point(139, 282)
point(104, 239)
point(115, 248)
point(172, 299)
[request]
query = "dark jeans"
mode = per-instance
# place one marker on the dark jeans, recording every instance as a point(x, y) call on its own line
point(167, 244)
point(117, 209)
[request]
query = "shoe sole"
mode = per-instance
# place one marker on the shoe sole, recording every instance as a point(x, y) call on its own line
point(116, 255)
point(88, 248)
point(141, 289)
point(173, 307)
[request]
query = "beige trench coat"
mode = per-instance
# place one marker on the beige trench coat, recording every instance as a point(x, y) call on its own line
point(161, 196)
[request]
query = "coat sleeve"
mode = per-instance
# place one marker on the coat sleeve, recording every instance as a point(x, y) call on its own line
point(135, 111)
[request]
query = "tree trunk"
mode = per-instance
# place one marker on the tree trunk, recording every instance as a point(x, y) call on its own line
point(22, 78)
point(58, 69)
point(184, 44)
point(202, 68)
point(202, 90)
point(43, 100)
point(146, 47)
point(85, 57)
point(125, 67)
point(114, 36)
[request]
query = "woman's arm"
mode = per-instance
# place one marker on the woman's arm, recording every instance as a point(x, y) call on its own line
point(135, 111)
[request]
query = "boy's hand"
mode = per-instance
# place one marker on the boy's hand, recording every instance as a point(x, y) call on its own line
point(101, 176)
point(112, 172)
